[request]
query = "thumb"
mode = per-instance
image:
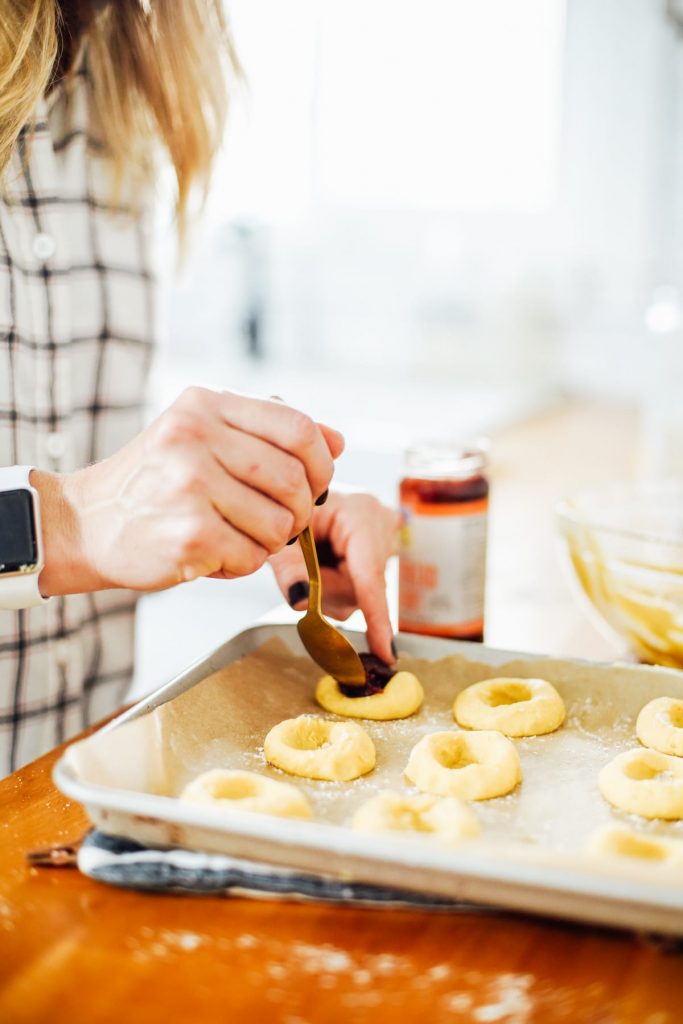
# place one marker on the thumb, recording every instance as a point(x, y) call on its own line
point(290, 573)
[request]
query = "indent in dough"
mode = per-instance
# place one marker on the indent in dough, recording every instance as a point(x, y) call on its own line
point(623, 842)
point(317, 748)
point(644, 782)
point(401, 697)
point(445, 820)
point(516, 707)
point(228, 789)
point(471, 765)
point(660, 725)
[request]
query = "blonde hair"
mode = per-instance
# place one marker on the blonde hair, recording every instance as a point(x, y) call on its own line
point(159, 72)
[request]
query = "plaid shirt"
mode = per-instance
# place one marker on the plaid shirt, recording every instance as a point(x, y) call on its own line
point(76, 330)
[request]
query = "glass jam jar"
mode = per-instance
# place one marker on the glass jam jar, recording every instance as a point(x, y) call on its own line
point(444, 496)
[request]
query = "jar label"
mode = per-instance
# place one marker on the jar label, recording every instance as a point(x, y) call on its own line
point(442, 573)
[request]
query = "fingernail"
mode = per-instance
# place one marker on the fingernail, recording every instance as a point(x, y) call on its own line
point(323, 498)
point(298, 592)
point(292, 540)
point(394, 648)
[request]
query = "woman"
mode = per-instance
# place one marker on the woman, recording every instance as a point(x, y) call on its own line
point(90, 94)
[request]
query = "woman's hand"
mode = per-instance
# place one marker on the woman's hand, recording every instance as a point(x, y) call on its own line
point(211, 488)
point(362, 534)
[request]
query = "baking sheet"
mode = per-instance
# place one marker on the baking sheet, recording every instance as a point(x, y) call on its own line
point(220, 718)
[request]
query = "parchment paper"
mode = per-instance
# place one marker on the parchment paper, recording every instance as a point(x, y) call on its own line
point(222, 722)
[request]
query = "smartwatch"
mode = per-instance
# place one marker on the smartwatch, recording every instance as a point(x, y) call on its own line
point(21, 542)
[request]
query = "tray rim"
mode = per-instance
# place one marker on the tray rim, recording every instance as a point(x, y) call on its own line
point(602, 897)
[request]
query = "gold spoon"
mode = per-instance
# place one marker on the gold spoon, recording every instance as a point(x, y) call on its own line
point(325, 644)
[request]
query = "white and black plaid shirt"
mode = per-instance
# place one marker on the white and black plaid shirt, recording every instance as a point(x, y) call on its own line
point(76, 332)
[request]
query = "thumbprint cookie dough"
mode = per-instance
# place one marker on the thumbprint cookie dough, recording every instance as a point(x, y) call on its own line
point(236, 790)
point(644, 782)
point(516, 707)
point(660, 725)
point(473, 766)
point(613, 840)
point(445, 820)
point(400, 697)
point(317, 748)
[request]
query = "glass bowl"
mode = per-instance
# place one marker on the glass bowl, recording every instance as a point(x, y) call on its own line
point(625, 543)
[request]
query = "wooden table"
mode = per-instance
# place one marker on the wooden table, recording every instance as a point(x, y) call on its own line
point(75, 951)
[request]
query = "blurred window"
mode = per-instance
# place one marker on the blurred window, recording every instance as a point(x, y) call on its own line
point(436, 104)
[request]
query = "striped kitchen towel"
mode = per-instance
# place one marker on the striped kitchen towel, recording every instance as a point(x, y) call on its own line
point(123, 862)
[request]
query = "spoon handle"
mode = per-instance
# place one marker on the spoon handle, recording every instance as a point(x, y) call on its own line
point(313, 569)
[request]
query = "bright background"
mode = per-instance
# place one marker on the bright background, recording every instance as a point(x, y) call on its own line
point(431, 219)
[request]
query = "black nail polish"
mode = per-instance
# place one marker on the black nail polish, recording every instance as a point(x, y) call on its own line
point(394, 648)
point(323, 498)
point(298, 592)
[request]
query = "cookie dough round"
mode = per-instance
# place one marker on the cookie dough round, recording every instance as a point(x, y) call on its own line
point(227, 789)
point(644, 782)
point(516, 707)
point(614, 840)
point(473, 766)
point(660, 725)
point(444, 820)
point(317, 748)
point(400, 698)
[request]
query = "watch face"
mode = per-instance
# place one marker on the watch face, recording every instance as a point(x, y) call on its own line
point(18, 541)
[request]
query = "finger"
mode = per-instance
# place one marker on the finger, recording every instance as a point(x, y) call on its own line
point(267, 469)
point(239, 554)
point(366, 569)
point(339, 596)
point(290, 573)
point(340, 612)
point(335, 440)
point(216, 548)
point(251, 512)
point(286, 428)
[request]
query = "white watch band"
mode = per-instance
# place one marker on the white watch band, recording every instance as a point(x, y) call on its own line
point(21, 590)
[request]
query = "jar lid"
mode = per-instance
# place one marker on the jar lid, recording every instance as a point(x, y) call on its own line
point(454, 459)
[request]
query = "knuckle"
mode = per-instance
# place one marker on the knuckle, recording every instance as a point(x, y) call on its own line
point(293, 478)
point(301, 520)
point(282, 527)
point(252, 558)
point(303, 429)
point(191, 540)
point(170, 429)
point(243, 556)
point(178, 426)
point(193, 397)
point(188, 480)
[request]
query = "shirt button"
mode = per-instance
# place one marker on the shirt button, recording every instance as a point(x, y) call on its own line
point(55, 445)
point(44, 246)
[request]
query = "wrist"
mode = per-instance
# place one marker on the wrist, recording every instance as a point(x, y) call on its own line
point(68, 568)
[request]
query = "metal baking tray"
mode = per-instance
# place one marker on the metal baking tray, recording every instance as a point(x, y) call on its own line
point(530, 857)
